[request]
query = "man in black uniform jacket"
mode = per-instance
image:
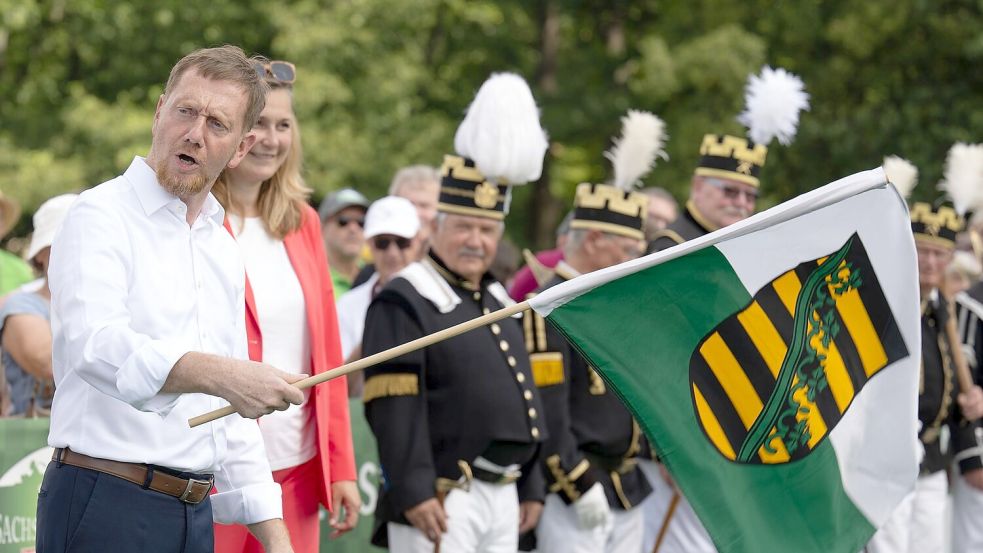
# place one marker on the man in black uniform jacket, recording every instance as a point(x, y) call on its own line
point(723, 190)
point(459, 424)
point(590, 460)
point(918, 524)
point(967, 492)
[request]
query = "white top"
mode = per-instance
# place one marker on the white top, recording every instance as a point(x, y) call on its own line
point(352, 307)
point(280, 306)
point(133, 289)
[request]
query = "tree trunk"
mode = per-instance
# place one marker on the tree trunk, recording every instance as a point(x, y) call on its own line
point(545, 208)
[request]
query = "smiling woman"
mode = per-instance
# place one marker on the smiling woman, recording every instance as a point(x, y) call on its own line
point(291, 321)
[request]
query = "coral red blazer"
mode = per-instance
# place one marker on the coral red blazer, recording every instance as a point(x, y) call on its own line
point(330, 399)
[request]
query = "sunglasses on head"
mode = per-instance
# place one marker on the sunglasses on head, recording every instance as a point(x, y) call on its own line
point(345, 221)
point(280, 71)
point(383, 242)
point(731, 192)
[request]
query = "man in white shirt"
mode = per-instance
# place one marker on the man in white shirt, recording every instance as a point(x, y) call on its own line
point(148, 325)
point(392, 230)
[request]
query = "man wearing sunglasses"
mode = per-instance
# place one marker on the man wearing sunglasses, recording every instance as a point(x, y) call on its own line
point(342, 219)
point(392, 231)
point(723, 191)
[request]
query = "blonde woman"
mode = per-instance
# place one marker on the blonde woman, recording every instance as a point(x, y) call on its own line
point(291, 323)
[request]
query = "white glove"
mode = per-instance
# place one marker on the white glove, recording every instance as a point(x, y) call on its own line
point(592, 508)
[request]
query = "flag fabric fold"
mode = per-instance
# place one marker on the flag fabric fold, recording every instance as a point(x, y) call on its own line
point(773, 364)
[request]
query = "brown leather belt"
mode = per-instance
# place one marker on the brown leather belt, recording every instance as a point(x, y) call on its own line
point(188, 490)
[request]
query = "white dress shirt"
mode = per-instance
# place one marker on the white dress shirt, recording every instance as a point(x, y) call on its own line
point(133, 289)
point(352, 307)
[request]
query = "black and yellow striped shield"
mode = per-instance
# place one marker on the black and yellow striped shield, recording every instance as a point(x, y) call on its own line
point(772, 380)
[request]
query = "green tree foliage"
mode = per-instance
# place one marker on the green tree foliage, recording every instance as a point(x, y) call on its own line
point(382, 84)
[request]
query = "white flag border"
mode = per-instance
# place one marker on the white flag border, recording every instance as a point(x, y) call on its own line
point(820, 198)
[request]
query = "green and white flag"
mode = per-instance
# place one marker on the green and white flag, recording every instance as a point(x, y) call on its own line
point(773, 363)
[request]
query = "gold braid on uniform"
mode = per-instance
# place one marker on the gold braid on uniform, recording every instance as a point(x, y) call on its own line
point(564, 480)
point(932, 432)
point(387, 385)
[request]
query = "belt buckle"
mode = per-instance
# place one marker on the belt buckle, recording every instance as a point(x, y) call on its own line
point(508, 479)
point(187, 491)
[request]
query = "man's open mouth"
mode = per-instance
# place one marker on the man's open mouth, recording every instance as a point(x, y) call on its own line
point(187, 160)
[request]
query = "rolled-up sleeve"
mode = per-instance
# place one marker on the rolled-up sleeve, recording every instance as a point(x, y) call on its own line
point(90, 261)
point(247, 493)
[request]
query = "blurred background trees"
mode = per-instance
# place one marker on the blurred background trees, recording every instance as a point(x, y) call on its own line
point(383, 84)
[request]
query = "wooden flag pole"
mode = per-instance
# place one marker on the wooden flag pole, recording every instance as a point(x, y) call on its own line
point(377, 358)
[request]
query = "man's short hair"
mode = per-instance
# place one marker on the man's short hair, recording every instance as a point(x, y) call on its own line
point(227, 63)
point(413, 175)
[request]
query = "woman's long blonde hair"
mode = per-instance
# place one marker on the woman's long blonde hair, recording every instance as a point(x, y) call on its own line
point(282, 195)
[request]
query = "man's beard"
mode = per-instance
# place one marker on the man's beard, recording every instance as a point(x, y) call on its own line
point(182, 186)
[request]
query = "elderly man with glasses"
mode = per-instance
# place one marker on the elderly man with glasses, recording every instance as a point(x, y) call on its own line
point(723, 191)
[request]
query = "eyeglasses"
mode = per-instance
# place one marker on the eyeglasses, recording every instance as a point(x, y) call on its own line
point(281, 71)
point(730, 191)
point(345, 221)
point(382, 242)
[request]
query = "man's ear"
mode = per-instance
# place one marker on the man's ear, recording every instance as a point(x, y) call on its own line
point(160, 105)
point(244, 146)
point(590, 240)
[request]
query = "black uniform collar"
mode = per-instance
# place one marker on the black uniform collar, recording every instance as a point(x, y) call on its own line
point(698, 219)
point(453, 278)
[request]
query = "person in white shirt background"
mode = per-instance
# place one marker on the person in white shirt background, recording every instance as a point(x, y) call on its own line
point(148, 327)
point(25, 333)
point(392, 231)
point(291, 323)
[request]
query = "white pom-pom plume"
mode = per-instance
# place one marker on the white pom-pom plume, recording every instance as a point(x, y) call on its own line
point(773, 101)
point(902, 174)
point(964, 176)
point(501, 131)
point(643, 137)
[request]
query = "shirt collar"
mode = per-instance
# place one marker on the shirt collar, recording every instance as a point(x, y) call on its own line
point(153, 197)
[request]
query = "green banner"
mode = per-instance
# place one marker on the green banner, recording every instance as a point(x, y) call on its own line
point(24, 456)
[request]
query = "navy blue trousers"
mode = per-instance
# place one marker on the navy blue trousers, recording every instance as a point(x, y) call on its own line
point(82, 510)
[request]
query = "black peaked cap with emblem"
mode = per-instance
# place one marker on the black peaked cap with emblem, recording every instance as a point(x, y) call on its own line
point(935, 223)
point(464, 190)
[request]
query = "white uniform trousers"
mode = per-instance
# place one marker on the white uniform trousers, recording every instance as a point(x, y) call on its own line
point(559, 531)
point(967, 516)
point(684, 531)
point(917, 525)
point(482, 520)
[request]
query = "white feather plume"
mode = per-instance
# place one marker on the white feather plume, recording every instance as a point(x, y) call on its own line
point(773, 101)
point(901, 173)
point(964, 176)
point(643, 137)
point(501, 131)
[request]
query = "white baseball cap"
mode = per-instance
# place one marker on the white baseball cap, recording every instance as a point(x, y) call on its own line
point(391, 215)
point(47, 220)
